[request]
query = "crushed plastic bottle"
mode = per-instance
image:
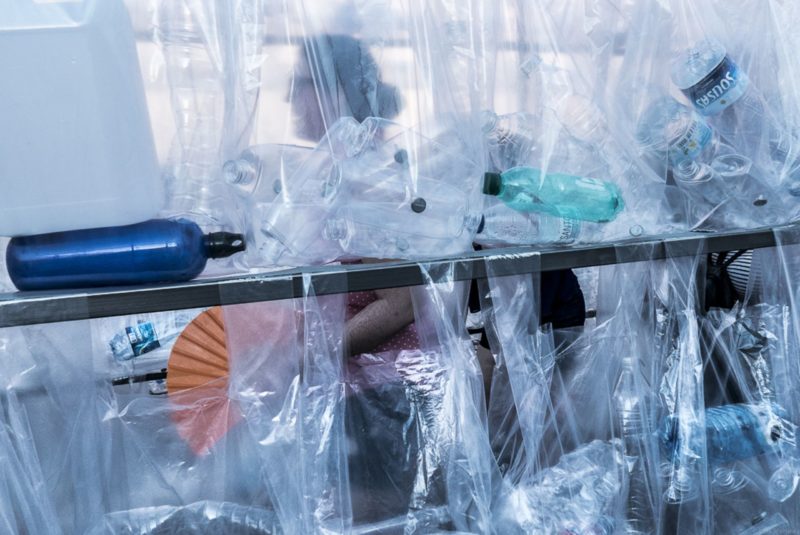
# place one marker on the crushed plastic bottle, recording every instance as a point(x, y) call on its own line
point(529, 190)
point(579, 495)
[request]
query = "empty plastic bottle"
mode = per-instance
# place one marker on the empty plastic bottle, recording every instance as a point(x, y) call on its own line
point(529, 190)
point(502, 225)
point(734, 432)
point(158, 250)
point(701, 183)
point(386, 230)
point(196, 80)
point(629, 405)
point(581, 117)
point(671, 129)
point(289, 191)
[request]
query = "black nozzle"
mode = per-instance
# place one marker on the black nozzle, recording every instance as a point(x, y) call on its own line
point(492, 182)
point(223, 244)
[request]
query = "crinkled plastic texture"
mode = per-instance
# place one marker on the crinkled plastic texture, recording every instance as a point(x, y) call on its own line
point(552, 418)
point(375, 189)
point(197, 518)
point(702, 102)
point(287, 378)
point(545, 86)
point(414, 64)
point(212, 59)
point(448, 374)
point(79, 453)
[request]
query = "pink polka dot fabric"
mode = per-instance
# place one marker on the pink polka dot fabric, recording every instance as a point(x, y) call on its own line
point(404, 339)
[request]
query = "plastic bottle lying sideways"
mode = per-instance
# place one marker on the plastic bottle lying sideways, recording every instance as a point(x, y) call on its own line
point(502, 225)
point(529, 190)
point(391, 213)
point(735, 432)
point(720, 90)
point(158, 250)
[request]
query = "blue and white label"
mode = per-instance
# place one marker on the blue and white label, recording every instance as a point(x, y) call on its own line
point(722, 87)
point(692, 142)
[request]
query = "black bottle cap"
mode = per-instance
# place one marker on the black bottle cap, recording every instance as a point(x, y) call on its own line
point(223, 244)
point(492, 183)
point(418, 205)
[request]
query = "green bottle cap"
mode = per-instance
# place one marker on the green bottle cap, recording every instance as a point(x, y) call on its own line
point(492, 183)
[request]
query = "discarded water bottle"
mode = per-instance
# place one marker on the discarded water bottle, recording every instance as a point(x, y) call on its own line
point(296, 174)
point(197, 94)
point(502, 225)
point(677, 132)
point(734, 432)
point(289, 191)
point(158, 250)
point(384, 230)
point(529, 190)
point(720, 90)
point(509, 138)
point(629, 405)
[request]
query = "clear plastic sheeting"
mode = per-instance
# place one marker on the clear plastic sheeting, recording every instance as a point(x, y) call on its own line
point(197, 518)
point(367, 131)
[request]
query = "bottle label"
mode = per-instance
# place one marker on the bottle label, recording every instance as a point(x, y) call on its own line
point(141, 338)
point(722, 87)
point(692, 142)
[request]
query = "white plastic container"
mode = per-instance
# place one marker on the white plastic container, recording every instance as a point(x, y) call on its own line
point(76, 147)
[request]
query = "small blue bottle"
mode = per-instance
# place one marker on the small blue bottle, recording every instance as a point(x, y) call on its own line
point(156, 251)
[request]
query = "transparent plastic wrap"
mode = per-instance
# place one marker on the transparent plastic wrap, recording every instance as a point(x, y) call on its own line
point(447, 374)
point(81, 453)
point(544, 89)
point(700, 120)
point(384, 60)
point(631, 324)
point(197, 518)
point(752, 446)
point(124, 346)
point(552, 421)
point(212, 60)
point(287, 378)
point(369, 189)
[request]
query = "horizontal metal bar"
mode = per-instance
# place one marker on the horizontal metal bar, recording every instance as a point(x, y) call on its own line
point(36, 307)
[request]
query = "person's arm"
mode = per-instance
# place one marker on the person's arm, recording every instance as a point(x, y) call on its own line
point(380, 320)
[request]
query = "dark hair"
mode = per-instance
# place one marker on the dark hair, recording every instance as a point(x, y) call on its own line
point(342, 69)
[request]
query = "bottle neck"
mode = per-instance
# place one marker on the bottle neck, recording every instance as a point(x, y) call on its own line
point(239, 172)
point(223, 244)
point(335, 229)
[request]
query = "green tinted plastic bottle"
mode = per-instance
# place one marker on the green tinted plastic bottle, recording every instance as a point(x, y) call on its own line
point(528, 190)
